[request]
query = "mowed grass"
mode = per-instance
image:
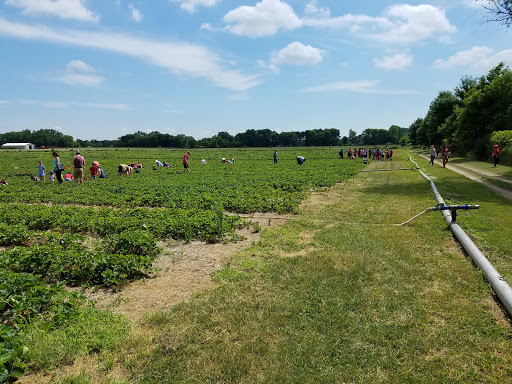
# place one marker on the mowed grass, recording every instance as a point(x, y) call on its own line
point(340, 294)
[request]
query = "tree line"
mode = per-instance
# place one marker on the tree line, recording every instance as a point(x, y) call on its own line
point(250, 138)
point(467, 117)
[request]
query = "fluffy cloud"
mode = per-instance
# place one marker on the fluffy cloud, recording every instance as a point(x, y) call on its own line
point(400, 23)
point(313, 9)
point(476, 58)
point(64, 9)
point(399, 61)
point(297, 53)
point(79, 73)
point(414, 23)
point(136, 15)
point(264, 19)
point(179, 58)
point(190, 5)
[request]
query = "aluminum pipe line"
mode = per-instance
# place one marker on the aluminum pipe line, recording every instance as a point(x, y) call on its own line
point(498, 284)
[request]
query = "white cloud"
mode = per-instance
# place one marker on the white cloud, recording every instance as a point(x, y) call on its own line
point(4, 102)
point(64, 9)
point(118, 107)
point(179, 58)
point(272, 67)
point(474, 3)
point(399, 61)
point(264, 19)
point(46, 103)
point(313, 9)
point(297, 53)
point(476, 58)
point(81, 79)
point(67, 104)
point(401, 23)
point(415, 23)
point(79, 73)
point(79, 65)
point(362, 86)
point(190, 5)
point(136, 15)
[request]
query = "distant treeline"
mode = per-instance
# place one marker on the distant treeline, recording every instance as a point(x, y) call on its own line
point(468, 118)
point(250, 138)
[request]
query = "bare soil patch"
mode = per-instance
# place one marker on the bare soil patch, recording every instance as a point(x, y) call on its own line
point(185, 269)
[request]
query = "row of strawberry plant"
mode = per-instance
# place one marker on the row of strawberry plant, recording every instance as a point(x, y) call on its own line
point(76, 266)
point(252, 184)
point(23, 298)
point(162, 223)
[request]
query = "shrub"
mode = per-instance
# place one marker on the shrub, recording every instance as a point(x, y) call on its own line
point(504, 140)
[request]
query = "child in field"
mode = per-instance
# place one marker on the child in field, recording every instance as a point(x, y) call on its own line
point(94, 171)
point(41, 171)
point(68, 177)
point(34, 178)
point(3, 181)
point(51, 176)
point(101, 173)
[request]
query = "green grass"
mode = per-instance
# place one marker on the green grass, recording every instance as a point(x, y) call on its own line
point(339, 294)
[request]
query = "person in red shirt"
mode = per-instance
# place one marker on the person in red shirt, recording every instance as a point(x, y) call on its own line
point(496, 154)
point(94, 171)
point(186, 169)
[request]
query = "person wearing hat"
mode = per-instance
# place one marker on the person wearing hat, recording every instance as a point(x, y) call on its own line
point(300, 160)
point(94, 170)
point(78, 164)
point(496, 154)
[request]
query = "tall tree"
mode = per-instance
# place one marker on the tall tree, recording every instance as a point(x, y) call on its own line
point(501, 11)
point(440, 109)
point(487, 108)
point(352, 136)
point(413, 131)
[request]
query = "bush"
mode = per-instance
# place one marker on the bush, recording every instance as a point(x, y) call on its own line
point(504, 140)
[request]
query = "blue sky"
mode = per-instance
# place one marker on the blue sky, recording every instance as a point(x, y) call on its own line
point(99, 69)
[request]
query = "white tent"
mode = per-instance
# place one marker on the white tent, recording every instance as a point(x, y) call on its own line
point(19, 146)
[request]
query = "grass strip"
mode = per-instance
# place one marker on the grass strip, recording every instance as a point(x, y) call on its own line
point(339, 294)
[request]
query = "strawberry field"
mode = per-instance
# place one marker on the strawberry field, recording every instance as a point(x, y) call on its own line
point(104, 233)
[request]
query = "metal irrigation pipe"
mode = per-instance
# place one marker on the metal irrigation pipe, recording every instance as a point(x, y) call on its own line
point(498, 283)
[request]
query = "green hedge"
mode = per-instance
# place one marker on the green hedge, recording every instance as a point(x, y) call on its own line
point(504, 140)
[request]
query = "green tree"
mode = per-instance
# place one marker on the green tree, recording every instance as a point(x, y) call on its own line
point(413, 129)
point(394, 134)
point(487, 108)
point(440, 109)
point(352, 136)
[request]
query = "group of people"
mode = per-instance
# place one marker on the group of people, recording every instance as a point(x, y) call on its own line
point(445, 154)
point(78, 169)
point(95, 170)
point(363, 153)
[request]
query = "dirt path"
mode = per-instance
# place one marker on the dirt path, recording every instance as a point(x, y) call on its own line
point(185, 269)
point(484, 173)
point(477, 175)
